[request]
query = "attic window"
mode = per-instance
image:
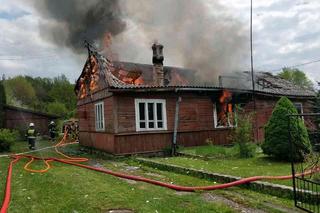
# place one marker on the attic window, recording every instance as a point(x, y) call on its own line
point(150, 114)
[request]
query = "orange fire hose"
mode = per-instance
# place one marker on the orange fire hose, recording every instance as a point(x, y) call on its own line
point(48, 166)
point(72, 161)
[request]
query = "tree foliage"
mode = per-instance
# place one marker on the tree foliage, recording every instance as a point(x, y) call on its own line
point(57, 108)
point(19, 91)
point(62, 91)
point(276, 142)
point(296, 76)
point(2, 103)
point(51, 95)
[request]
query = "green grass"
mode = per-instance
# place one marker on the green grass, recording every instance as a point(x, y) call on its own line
point(224, 161)
point(65, 188)
point(210, 151)
point(237, 167)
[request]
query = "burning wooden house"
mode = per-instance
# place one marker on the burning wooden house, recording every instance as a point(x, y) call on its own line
point(126, 108)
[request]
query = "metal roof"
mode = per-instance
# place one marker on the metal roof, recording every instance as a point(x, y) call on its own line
point(266, 83)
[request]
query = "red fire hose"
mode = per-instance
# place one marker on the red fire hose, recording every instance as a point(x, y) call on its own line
point(16, 158)
point(6, 199)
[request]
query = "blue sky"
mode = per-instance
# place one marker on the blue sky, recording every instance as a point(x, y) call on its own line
point(286, 32)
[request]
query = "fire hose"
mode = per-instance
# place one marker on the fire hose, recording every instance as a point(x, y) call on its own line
point(73, 161)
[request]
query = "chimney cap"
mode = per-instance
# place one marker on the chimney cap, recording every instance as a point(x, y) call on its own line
point(157, 45)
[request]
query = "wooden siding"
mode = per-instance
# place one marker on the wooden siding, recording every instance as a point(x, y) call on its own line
point(86, 115)
point(15, 119)
point(195, 122)
point(158, 141)
point(196, 112)
point(98, 140)
point(264, 108)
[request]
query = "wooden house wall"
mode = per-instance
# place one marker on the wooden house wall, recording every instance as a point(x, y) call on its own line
point(102, 140)
point(196, 123)
point(195, 112)
point(20, 120)
point(264, 108)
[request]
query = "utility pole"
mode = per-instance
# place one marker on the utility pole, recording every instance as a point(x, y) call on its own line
point(251, 53)
point(252, 79)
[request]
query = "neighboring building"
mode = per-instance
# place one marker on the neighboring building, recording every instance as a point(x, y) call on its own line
point(126, 108)
point(19, 118)
point(268, 89)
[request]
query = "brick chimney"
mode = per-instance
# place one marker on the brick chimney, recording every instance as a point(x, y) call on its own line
point(157, 60)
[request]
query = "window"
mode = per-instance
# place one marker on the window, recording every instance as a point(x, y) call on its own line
point(99, 116)
point(150, 114)
point(298, 107)
point(224, 115)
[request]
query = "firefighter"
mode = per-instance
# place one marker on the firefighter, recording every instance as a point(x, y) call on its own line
point(31, 136)
point(52, 130)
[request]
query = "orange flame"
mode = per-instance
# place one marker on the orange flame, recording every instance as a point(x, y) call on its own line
point(225, 116)
point(129, 77)
point(139, 81)
point(89, 81)
point(82, 91)
point(94, 75)
point(226, 96)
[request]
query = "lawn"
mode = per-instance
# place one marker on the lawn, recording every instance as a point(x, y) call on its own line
point(65, 188)
point(222, 160)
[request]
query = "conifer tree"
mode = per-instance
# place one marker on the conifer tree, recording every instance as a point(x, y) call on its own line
point(276, 142)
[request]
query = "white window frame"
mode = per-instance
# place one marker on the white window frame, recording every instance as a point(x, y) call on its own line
point(215, 118)
point(99, 116)
point(300, 104)
point(155, 120)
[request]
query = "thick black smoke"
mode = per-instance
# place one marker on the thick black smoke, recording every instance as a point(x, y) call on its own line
point(198, 34)
point(70, 22)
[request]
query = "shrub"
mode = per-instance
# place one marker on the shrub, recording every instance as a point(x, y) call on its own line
point(2, 103)
point(276, 142)
point(7, 137)
point(311, 162)
point(242, 135)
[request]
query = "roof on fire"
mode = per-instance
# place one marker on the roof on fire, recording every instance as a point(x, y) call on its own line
point(267, 83)
point(182, 78)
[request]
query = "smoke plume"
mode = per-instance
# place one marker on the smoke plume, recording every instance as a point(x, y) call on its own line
point(70, 22)
point(196, 34)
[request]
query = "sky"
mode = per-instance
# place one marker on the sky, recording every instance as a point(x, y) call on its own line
point(285, 33)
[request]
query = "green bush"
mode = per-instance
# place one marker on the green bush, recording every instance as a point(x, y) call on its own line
point(7, 137)
point(276, 142)
point(242, 135)
point(2, 103)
